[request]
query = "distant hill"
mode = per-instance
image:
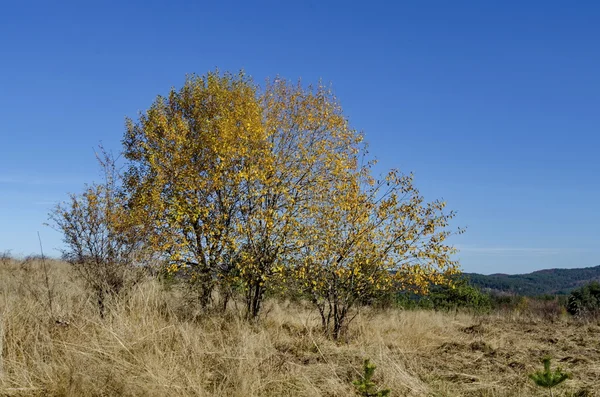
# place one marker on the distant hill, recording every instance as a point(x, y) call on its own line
point(548, 281)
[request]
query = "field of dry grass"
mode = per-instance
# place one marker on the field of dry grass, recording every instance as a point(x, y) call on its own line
point(153, 343)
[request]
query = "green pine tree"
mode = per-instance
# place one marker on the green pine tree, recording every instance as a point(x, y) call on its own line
point(365, 386)
point(548, 378)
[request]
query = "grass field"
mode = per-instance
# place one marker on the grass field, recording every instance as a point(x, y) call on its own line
point(152, 342)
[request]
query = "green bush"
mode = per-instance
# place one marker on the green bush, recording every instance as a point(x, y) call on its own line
point(460, 295)
point(585, 301)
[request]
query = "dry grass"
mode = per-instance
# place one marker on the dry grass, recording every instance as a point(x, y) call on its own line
point(152, 344)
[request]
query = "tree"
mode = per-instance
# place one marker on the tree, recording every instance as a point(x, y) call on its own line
point(368, 233)
point(548, 378)
point(228, 175)
point(365, 385)
point(191, 154)
point(104, 243)
point(308, 138)
point(242, 188)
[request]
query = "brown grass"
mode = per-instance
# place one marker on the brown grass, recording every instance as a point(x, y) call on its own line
point(151, 343)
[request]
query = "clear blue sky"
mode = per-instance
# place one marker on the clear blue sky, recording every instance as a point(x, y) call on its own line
point(495, 105)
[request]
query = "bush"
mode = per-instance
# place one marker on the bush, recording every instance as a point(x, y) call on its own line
point(102, 242)
point(459, 295)
point(585, 301)
point(547, 309)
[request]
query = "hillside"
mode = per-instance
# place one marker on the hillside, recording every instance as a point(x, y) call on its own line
point(548, 281)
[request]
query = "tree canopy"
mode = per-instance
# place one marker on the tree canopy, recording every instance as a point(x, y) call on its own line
point(245, 189)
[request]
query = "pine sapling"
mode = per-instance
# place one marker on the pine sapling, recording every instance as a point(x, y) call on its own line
point(548, 378)
point(365, 386)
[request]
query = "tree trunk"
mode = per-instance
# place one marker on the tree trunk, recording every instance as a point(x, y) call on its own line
point(225, 299)
point(254, 297)
point(101, 297)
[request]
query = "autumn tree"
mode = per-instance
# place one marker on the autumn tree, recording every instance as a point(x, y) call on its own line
point(242, 187)
point(190, 155)
point(228, 174)
point(369, 235)
point(306, 132)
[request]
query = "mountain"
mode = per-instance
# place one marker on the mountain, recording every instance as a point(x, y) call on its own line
point(548, 281)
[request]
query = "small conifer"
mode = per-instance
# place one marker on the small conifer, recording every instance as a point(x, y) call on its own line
point(548, 378)
point(365, 386)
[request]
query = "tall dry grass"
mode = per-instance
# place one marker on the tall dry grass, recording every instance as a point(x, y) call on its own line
point(153, 342)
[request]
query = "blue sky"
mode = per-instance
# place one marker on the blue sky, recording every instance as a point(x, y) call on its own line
point(494, 105)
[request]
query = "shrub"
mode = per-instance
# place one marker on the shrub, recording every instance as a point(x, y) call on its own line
point(458, 295)
point(585, 301)
point(102, 243)
point(547, 309)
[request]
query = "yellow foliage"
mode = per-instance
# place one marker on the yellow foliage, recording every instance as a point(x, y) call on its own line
point(249, 187)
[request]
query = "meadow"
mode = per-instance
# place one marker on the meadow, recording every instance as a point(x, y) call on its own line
point(153, 341)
